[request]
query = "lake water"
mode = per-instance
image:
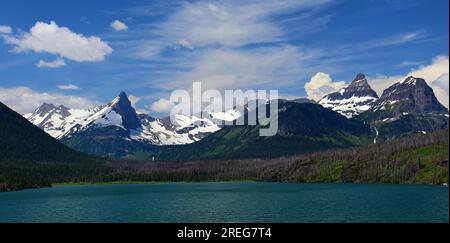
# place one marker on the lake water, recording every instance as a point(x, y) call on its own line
point(228, 202)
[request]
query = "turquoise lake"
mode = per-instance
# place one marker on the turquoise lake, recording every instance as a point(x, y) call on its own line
point(228, 202)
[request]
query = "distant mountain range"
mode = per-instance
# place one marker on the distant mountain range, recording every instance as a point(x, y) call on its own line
point(354, 115)
point(62, 122)
point(116, 130)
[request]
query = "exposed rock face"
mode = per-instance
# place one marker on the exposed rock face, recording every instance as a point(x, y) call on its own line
point(413, 95)
point(304, 100)
point(407, 107)
point(353, 99)
point(122, 106)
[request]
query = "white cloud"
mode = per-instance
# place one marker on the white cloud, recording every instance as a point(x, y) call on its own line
point(85, 20)
point(145, 50)
point(24, 99)
point(68, 87)
point(320, 85)
point(58, 62)
point(409, 63)
point(225, 24)
point(435, 74)
point(207, 23)
point(407, 37)
point(4, 29)
point(51, 38)
point(213, 42)
point(442, 82)
point(161, 106)
point(390, 40)
point(186, 44)
point(134, 100)
point(233, 23)
point(440, 88)
point(119, 26)
point(381, 82)
point(432, 72)
point(229, 68)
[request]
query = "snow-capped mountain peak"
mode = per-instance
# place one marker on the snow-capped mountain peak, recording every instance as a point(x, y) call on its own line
point(412, 95)
point(409, 80)
point(57, 121)
point(62, 122)
point(353, 99)
point(407, 107)
point(122, 106)
point(44, 108)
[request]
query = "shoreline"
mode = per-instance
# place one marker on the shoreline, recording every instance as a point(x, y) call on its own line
point(63, 184)
point(234, 181)
point(144, 182)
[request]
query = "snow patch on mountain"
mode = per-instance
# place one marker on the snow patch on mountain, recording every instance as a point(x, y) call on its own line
point(187, 129)
point(230, 115)
point(57, 121)
point(348, 107)
point(110, 118)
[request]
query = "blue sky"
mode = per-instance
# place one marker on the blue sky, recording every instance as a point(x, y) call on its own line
point(81, 58)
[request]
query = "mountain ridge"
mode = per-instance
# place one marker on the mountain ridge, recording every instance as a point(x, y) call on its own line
point(116, 130)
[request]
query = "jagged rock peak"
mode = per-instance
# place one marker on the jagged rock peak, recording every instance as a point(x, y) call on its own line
point(412, 95)
point(45, 107)
point(359, 76)
point(360, 83)
point(123, 95)
point(411, 80)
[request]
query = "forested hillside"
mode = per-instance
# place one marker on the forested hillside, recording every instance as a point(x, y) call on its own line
point(416, 159)
point(29, 157)
point(22, 141)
